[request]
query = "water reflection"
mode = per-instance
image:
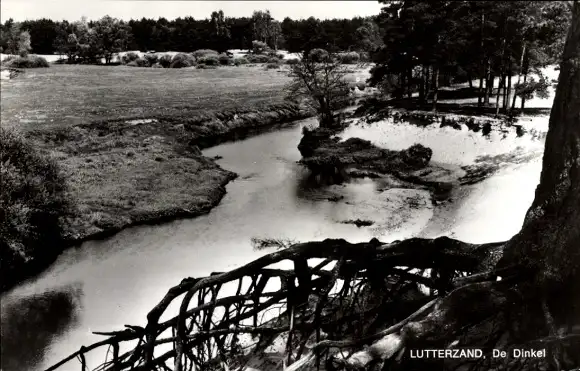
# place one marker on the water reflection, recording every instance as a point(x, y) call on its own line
point(31, 324)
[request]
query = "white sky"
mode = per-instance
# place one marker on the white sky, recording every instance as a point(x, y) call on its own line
point(73, 10)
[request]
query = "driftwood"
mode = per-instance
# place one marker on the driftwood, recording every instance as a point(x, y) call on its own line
point(371, 292)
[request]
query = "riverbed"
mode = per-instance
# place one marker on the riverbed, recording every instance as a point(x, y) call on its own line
point(103, 285)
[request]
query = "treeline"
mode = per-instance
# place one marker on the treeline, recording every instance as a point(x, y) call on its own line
point(426, 44)
point(86, 38)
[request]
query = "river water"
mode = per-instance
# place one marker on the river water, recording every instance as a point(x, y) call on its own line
point(103, 285)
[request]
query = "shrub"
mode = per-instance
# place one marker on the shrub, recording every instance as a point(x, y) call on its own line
point(260, 47)
point(271, 66)
point(129, 57)
point(151, 58)
point(209, 60)
point(292, 61)
point(349, 57)
point(139, 62)
point(224, 59)
point(157, 65)
point(259, 58)
point(165, 60)
point(240, 61)
point(182, 60)
point(318, 55)
point(31, 61)
point(33, 203)
point(204, 52)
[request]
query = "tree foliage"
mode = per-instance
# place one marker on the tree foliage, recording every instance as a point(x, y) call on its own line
point(33, 202)
point(318, 78)
point(431, 43)
point(218, 32)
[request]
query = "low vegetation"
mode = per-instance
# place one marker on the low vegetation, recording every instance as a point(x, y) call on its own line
point(97, 93)
point(29, 61)
point(34, 203)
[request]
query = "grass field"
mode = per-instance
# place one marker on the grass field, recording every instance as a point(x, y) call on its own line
point(74, 94)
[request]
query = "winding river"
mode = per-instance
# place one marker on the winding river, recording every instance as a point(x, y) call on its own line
point(103, 285)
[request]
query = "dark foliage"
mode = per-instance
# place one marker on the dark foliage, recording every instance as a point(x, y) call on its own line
point(188, 34)
point(182, 60)
point(32, 204)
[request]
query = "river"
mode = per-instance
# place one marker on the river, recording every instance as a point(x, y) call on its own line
point(103, 285)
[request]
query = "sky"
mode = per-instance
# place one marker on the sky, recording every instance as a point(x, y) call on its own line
point(73, 10)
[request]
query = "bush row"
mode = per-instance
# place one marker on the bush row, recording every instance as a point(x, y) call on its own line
point(209, 58)
point(30, 61)
point(201, 58)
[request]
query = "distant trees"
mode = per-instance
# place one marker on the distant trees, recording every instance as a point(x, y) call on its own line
point(186, 34)
point(220, 31)
point(111, 36)
point(91, 41)
point(266, 29)
point(431, 43)
point(15, 40)
point(368, 36)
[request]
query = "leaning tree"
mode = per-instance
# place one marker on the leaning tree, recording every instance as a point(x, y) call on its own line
point(380, 301)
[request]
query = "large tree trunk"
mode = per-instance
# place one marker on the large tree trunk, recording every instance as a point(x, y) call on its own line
point(428, 83)
point(500, 85)
point(550, 237)
point(422, 86)
point(523, 103)
point(409, 82)
point(506, 102)
point(520, 71)
point(480, 97)
point(435, 87)
point(488, 84)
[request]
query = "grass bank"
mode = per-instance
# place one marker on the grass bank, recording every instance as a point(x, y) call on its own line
point(127, 172)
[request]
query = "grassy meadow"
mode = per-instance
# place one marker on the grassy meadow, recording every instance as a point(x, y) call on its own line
point(73, 94)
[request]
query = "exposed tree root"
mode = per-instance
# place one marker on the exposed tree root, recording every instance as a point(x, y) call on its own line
point(371, 286)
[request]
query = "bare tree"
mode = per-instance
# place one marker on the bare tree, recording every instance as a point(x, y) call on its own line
point(318, 78)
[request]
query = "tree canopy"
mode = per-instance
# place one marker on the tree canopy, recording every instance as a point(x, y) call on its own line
point(186, 34)
point(430, 43)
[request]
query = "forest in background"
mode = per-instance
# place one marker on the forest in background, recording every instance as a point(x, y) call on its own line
point(187, 34)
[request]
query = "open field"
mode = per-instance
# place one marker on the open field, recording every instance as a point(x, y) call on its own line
point(74, 94)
